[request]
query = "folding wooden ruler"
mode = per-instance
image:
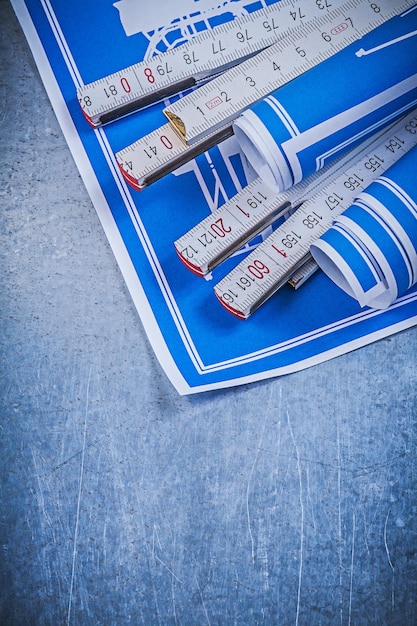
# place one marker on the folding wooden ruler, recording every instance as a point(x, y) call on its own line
point(204, 117)
point(202, 57)
point(249, 58)
point(273, 262)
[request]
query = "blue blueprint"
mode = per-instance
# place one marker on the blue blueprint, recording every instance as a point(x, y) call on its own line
point(199, 344)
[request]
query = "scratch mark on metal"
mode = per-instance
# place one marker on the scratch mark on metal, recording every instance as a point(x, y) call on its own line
point(309, 498)
point(339, 505)
point(351, 567)
point(41, 499)
point(104, 543)
point(152, 557)
point(155, 534)
point(93, 444)
point(385, 541)
point(155, 556)
point(203, 603)
point(174, 606)
point(374, 467)
point(250, 478)
point(167, 568)
point(80, 486)
point(389, 559)
point(300, 478)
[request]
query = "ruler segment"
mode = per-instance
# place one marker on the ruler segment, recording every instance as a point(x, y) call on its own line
point(223, 232)
point(208, 53)
point(161, 152)
point(245, 215)
point(274, 261)
point(142, 166)
point(221, 100)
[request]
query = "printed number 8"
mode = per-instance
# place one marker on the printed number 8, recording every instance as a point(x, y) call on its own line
point(148, 73)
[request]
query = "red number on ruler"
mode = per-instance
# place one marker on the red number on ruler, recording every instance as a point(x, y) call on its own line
point(124, 83)
point(148, 73)
point(166, 142)
point(258, 269)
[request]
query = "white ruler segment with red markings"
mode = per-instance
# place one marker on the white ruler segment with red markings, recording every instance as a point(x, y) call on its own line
point(264, 49)
point(246, 214)
point(204, 117)
point(203, 56)
point(253, 281)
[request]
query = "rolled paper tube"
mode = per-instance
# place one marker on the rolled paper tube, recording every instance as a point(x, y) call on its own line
point(380, 243)
point(327, 110)
point(380, 228)
point(349, 266)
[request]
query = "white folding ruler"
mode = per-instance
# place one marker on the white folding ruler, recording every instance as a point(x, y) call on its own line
point(208, 53)
point(202, 118)
point(245, 215)
point(274, 261)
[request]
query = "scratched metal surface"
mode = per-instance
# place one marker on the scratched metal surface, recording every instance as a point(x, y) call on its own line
point(291, 501)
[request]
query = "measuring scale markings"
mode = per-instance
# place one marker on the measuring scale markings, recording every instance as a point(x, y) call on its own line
point(274, 261)
point(245, 215)
point(221, 100)
point(223, 232)
point(182, 67)
point(162, 151)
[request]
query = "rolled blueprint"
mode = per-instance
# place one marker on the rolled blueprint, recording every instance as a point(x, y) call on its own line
point(371, 249)
point(327, 110)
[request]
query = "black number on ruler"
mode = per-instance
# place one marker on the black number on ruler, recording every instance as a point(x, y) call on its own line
point(190, 58)
point(323, 4)
point(112, 91)
point(243, 37)
point(164, 69)
point(297, 14)
point(270, 26)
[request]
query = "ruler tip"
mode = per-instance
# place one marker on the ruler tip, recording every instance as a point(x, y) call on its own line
point(235, 312)
point(133, 182)
point(195, 269)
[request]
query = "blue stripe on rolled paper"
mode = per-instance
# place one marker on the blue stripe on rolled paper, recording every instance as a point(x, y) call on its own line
point(402, 224)
point(383, 245)
point(348, 264)
point(333, 106)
